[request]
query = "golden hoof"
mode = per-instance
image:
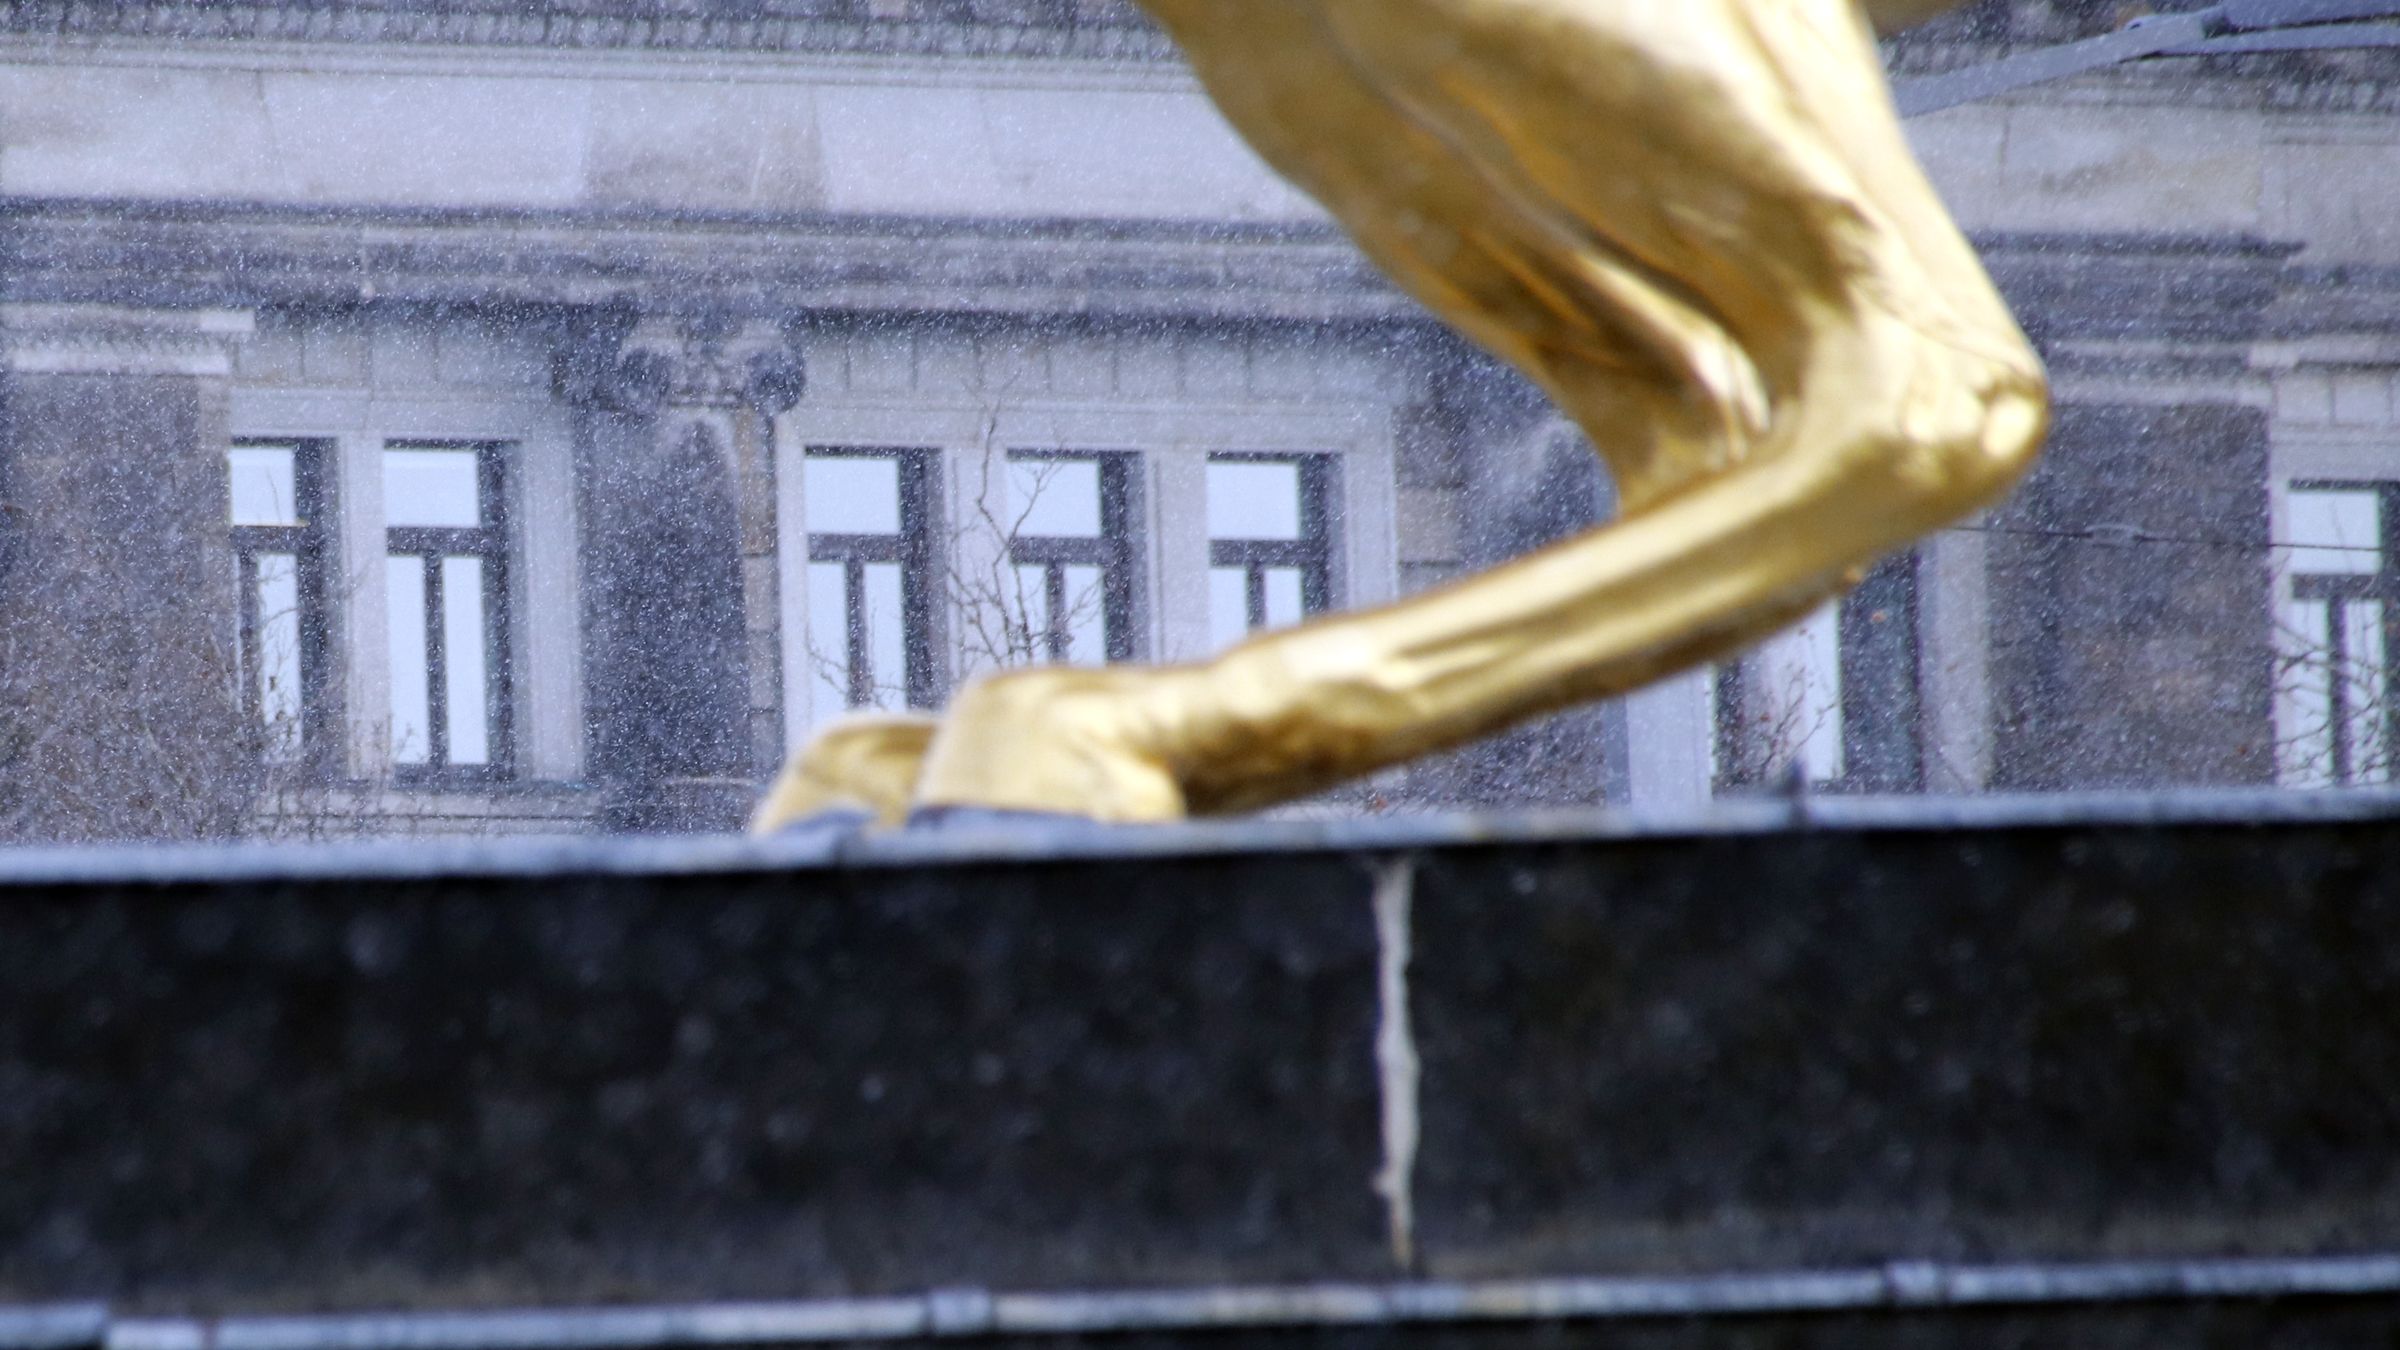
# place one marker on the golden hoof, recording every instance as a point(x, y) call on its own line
point(1056, 741)
point(868, 762)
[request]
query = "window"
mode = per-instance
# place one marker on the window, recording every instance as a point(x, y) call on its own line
point(868, 601)
point(1269, 543)
point(1835, 698)
point(275, 503)
point(1785, 706)
point(2333, 683)
point(445, 574)
point(1070, 548)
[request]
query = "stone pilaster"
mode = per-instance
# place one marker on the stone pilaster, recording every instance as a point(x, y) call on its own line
point(118, 657)
point(676, 448)
point(2128, 591)
point(1494, 462)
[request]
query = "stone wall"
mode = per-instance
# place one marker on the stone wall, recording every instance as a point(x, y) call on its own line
point(2129, 643)
point(119, 666)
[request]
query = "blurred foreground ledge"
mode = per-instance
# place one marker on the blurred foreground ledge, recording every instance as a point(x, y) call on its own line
point(2118, 1070)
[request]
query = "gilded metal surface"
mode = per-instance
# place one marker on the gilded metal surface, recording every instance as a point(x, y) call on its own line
point(1697, 225)
point(866, 762)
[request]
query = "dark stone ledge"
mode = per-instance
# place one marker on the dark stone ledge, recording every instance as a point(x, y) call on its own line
point(1785, 1036)
point(1839, 1047)
point(734, 1083)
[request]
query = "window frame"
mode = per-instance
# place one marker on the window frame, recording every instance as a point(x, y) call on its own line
point(1311, 554)
point(913, 549)
point(1874, 761)
point(309, 545)
point(489, 543)
point(1114, 551)
point(2336, 590)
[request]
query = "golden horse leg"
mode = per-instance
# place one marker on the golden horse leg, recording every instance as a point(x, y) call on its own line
point(1699, 226)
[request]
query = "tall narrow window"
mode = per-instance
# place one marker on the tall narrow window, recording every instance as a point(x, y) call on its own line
point(2334, 683)
point(1270, 546)
point(275, 491)
point(1833, 700)
point(1790, 705)
point(867, 561)
point(1071, 557)
point(445, 571)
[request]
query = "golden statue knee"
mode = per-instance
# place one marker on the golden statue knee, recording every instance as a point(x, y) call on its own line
point(2015, 421)
point(2018, 424)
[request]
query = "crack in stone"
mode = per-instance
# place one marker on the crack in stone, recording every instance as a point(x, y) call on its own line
point(1396, 1061)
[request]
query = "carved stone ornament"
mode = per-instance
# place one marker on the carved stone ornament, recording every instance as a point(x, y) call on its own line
point(644, 365)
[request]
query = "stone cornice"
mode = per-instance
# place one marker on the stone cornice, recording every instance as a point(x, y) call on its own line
point(2253, 85)
point(38, 339)
point(1110, 32)
point(2186, 289)
point(812, 26)
point(2076, 289)
point(2333, 83)
point(2320, 301)
point(765, 266)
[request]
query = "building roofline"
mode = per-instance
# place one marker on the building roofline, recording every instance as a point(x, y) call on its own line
point(796, 26)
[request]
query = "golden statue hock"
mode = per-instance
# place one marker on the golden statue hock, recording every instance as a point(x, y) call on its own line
point(1697, 225)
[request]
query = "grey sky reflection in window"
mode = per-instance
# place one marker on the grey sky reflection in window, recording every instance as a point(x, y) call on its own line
point(2336, 531)
point(852, 494)
point(1071, 548)
point(265, 484)
point(829, 632)
point(858, 586)
point(276, 660)
point(1077, 624)
point(881, 681)
point(1053, 497)
point(444, 575)
point(1251, 499)
point(1229, 618)
point(466, 665)
point(412, 685)
point(1269, 556)
point(436, 487)
point(274, 557)
point(1793, 699)
point(2333, 686)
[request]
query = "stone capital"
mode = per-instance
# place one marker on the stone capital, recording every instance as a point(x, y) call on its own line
point(723, 364)
point(54, 339)
point(650, 364)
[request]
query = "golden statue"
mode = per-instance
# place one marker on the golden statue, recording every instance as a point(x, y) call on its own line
point(1697, 225)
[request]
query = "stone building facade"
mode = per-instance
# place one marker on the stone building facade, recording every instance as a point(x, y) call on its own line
point(467, 415)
